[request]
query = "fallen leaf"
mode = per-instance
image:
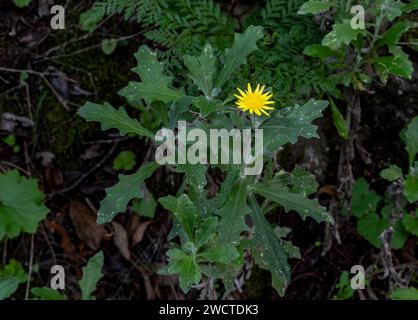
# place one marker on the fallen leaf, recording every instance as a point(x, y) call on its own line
point(9, 121)
point(43, 7)
point(34, 37)
point(329, 190)
point(53, 177)
point(84, 220)
point(140, 231)
point(65, 242)
point(91, 152)
point(60, 84)
point(46, 158)
point(76, 90)
point(120, 239)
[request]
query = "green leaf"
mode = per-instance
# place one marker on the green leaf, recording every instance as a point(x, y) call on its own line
point(221, 254)
point(276, 192)
point(195, 175)
point(206, 106)
point(145, 207)
point(233, 214)
point(315, 7)
point(244, 44)
point(13, 269)
point(410, 223)
point(345, 291)
point(409, 7)
point(91, 275)
point(125, 160)
point(90, 18)
point(319, 51)
point(128, 188)
point(411, 140)
point(202, 69)
point(399, 236)
point(154, 85)
point(371, 227)
point(393, 35)
point(398, 64)
point(11, 275)
point(226, 187)
point(299, 181)
point(110, 118)
point(282, 232)
point(187, 214)
point(21, 204)
point(22, 3)
point(109, 46)
point(341, 34)
point(8, 286)
point(411, 184)
point(404, 294)
point(206, 231)
point(267, 250)
point(169, 203)
point(291, 250)
point(303, 182)
point(47, 294)
point(10, 140)
point(363, 199)
point(287, 124)
point(185, 266)
point(339, 121)
point(392, 173)
point(392, 9)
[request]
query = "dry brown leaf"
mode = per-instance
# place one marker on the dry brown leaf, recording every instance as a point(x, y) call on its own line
point(53, 177)
point(65, 242)
point(84, 221)
point(140, 231)
point(120, 239)
point(328, 189)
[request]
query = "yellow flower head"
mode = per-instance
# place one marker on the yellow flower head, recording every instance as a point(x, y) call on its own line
point(254, 101)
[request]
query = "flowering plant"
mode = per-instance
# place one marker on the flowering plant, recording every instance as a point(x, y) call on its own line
point(217, 233)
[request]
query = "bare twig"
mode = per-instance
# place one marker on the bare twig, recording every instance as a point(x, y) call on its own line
point(54, 257)
point(57, 95)
point(95, 46)
point(386, 237)
point(32, 245)
point(85, 175)
point(4, 258)
point(42, 76)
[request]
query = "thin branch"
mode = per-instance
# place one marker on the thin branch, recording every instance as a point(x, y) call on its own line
point(32, 245)
point(85, 175)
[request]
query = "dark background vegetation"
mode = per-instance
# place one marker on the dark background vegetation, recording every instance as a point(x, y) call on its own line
point(73, 161)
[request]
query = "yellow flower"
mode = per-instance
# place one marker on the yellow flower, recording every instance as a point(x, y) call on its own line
point(254, 101)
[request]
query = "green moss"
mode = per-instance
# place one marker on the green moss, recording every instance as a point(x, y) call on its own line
point(257, 284)
point(62, 131)
point(59, 130)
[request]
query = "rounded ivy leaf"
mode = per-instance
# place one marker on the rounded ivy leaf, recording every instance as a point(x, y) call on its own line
point(22, 3)
point(109, 46)
point(125, 160)
point(21, 204)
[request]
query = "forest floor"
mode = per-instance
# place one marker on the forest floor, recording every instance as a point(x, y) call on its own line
point(46, 75)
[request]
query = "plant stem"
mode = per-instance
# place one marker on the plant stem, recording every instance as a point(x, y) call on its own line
point(32, 245)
